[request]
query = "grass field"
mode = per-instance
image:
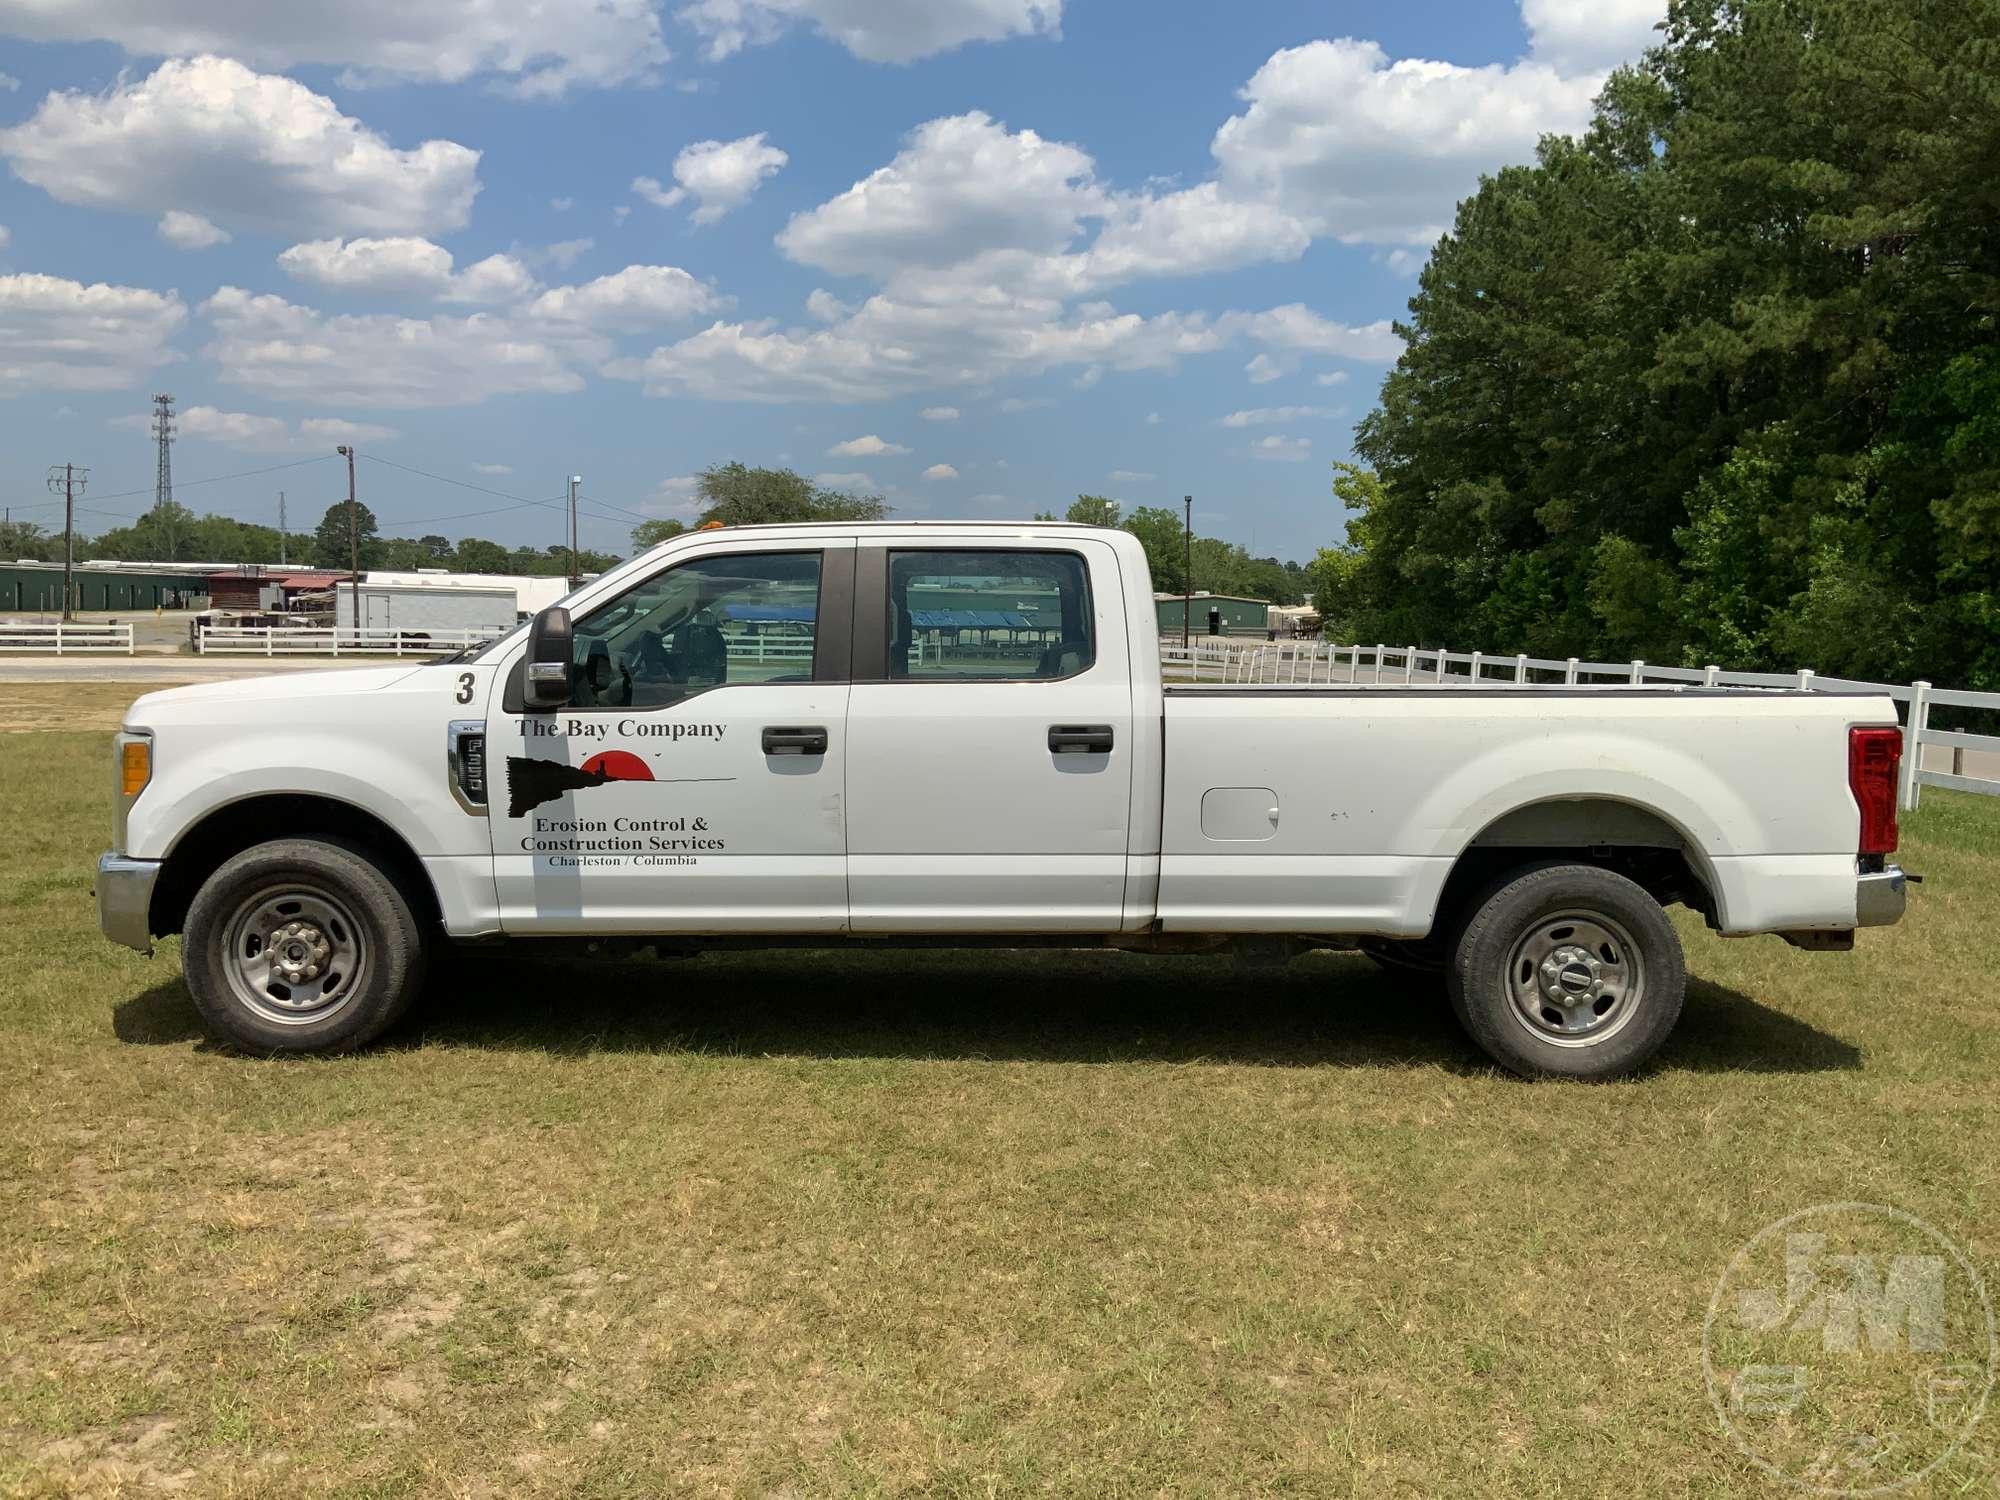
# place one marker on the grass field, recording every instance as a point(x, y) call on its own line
point(964, 1225)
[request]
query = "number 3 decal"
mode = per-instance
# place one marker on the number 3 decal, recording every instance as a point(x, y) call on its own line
point(464, 687)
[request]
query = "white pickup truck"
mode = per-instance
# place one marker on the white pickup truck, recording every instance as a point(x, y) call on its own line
point(959, 734)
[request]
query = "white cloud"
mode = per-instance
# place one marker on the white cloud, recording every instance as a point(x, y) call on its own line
point(292, 353)
point(844, 481)
point(1282, 449)
point(638, 296)
point(562, 205)
point(895, 31)
point(961, 186)
point(256, 434)
point(6, 236)
point(57, 334)
point(243, 150)
point(1016, 404)
point(718, 175)
point(939, 414)
point(865, 447)
point(1585, 36)
point(534, 48)
point(9, 83)
point(190, 231)
point(404, 265)
point(1153, 419)
point(493, 471)
point(827, 308)
point(1370, 150)
point(677, 497)
point(651, 189)
point(1331, 377)
point(562, 254)
point(1273, 416)
point(1129, 476)
point(978, 238)
point(940, 471)
point(1263, 369)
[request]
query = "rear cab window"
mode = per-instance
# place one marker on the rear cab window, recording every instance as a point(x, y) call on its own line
point(999, 615)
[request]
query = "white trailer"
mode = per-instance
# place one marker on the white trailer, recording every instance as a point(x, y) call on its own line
point(419, 608)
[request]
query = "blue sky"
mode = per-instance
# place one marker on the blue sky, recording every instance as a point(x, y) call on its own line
point(975, 255)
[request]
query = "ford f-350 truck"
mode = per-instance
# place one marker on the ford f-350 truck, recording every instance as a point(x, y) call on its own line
point(909, 733)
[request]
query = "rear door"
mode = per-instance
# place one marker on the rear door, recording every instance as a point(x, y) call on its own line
point(990, 738)
point(694, 783)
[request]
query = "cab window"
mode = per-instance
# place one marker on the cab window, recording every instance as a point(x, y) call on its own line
point(736, 617)
point(1000, 615)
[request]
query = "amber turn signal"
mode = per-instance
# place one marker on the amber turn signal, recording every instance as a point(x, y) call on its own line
point(135, 766)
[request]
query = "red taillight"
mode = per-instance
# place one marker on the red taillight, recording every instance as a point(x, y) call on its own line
point(1873, 756)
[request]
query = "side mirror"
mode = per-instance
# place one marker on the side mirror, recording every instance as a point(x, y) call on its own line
point(545, 684)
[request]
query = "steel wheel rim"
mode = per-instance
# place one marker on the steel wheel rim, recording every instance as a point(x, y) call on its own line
point(1575, 978)
point(294, 955)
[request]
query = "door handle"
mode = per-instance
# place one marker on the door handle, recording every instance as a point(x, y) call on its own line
point(794, 740)
point(1080, 739)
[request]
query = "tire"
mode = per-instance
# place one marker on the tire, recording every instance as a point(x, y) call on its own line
point(1567, 971)
point(301, 945)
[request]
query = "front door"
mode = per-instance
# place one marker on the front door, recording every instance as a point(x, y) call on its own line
point(990, 749)
point(694, 782)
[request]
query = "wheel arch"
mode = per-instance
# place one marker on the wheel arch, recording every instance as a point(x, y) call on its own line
point(1631, 838)
point(235, 826)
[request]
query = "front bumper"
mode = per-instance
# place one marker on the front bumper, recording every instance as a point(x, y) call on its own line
point(125, 899)
point(1879, 898)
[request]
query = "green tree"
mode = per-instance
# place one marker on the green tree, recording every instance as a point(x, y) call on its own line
point(739, 496)
point(26, 540)
point(1717, 380)
point(477, 555)
point(1093, 510)
point(649, 534)
point(166, 533)
point(331, 545)
point(1159, 532)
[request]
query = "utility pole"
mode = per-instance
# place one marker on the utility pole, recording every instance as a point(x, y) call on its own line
point(353, 539)
point(574, 481)
point(1187, 567)
point(66, 480)
point(283, 536)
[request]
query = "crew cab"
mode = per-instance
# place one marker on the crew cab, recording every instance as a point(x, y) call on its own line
point(958, 733)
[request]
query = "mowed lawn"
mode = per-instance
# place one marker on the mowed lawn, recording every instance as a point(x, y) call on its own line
point(963, 1224)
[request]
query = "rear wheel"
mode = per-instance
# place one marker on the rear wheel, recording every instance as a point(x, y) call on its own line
point(299, 945)
point(1567, 971)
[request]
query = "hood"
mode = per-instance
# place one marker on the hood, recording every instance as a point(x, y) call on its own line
point(265, 689)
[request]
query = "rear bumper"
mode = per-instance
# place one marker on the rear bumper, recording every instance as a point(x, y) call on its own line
point(1879, 898)
point(125, 899)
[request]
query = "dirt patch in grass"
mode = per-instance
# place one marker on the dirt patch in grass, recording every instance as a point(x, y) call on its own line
point(39, 707)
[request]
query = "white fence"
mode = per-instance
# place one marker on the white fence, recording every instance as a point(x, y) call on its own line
point(278, 640)
point(66, 638)
point(1308, 663)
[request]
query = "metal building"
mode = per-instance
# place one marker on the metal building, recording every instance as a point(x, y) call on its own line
point(1214, 614)
point(36, 587)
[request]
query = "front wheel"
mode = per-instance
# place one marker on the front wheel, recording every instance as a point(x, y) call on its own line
point(1567, 971)
point(299, 945)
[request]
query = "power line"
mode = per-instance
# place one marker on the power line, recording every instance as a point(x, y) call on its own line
point(296, 463)
point(466, 484)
